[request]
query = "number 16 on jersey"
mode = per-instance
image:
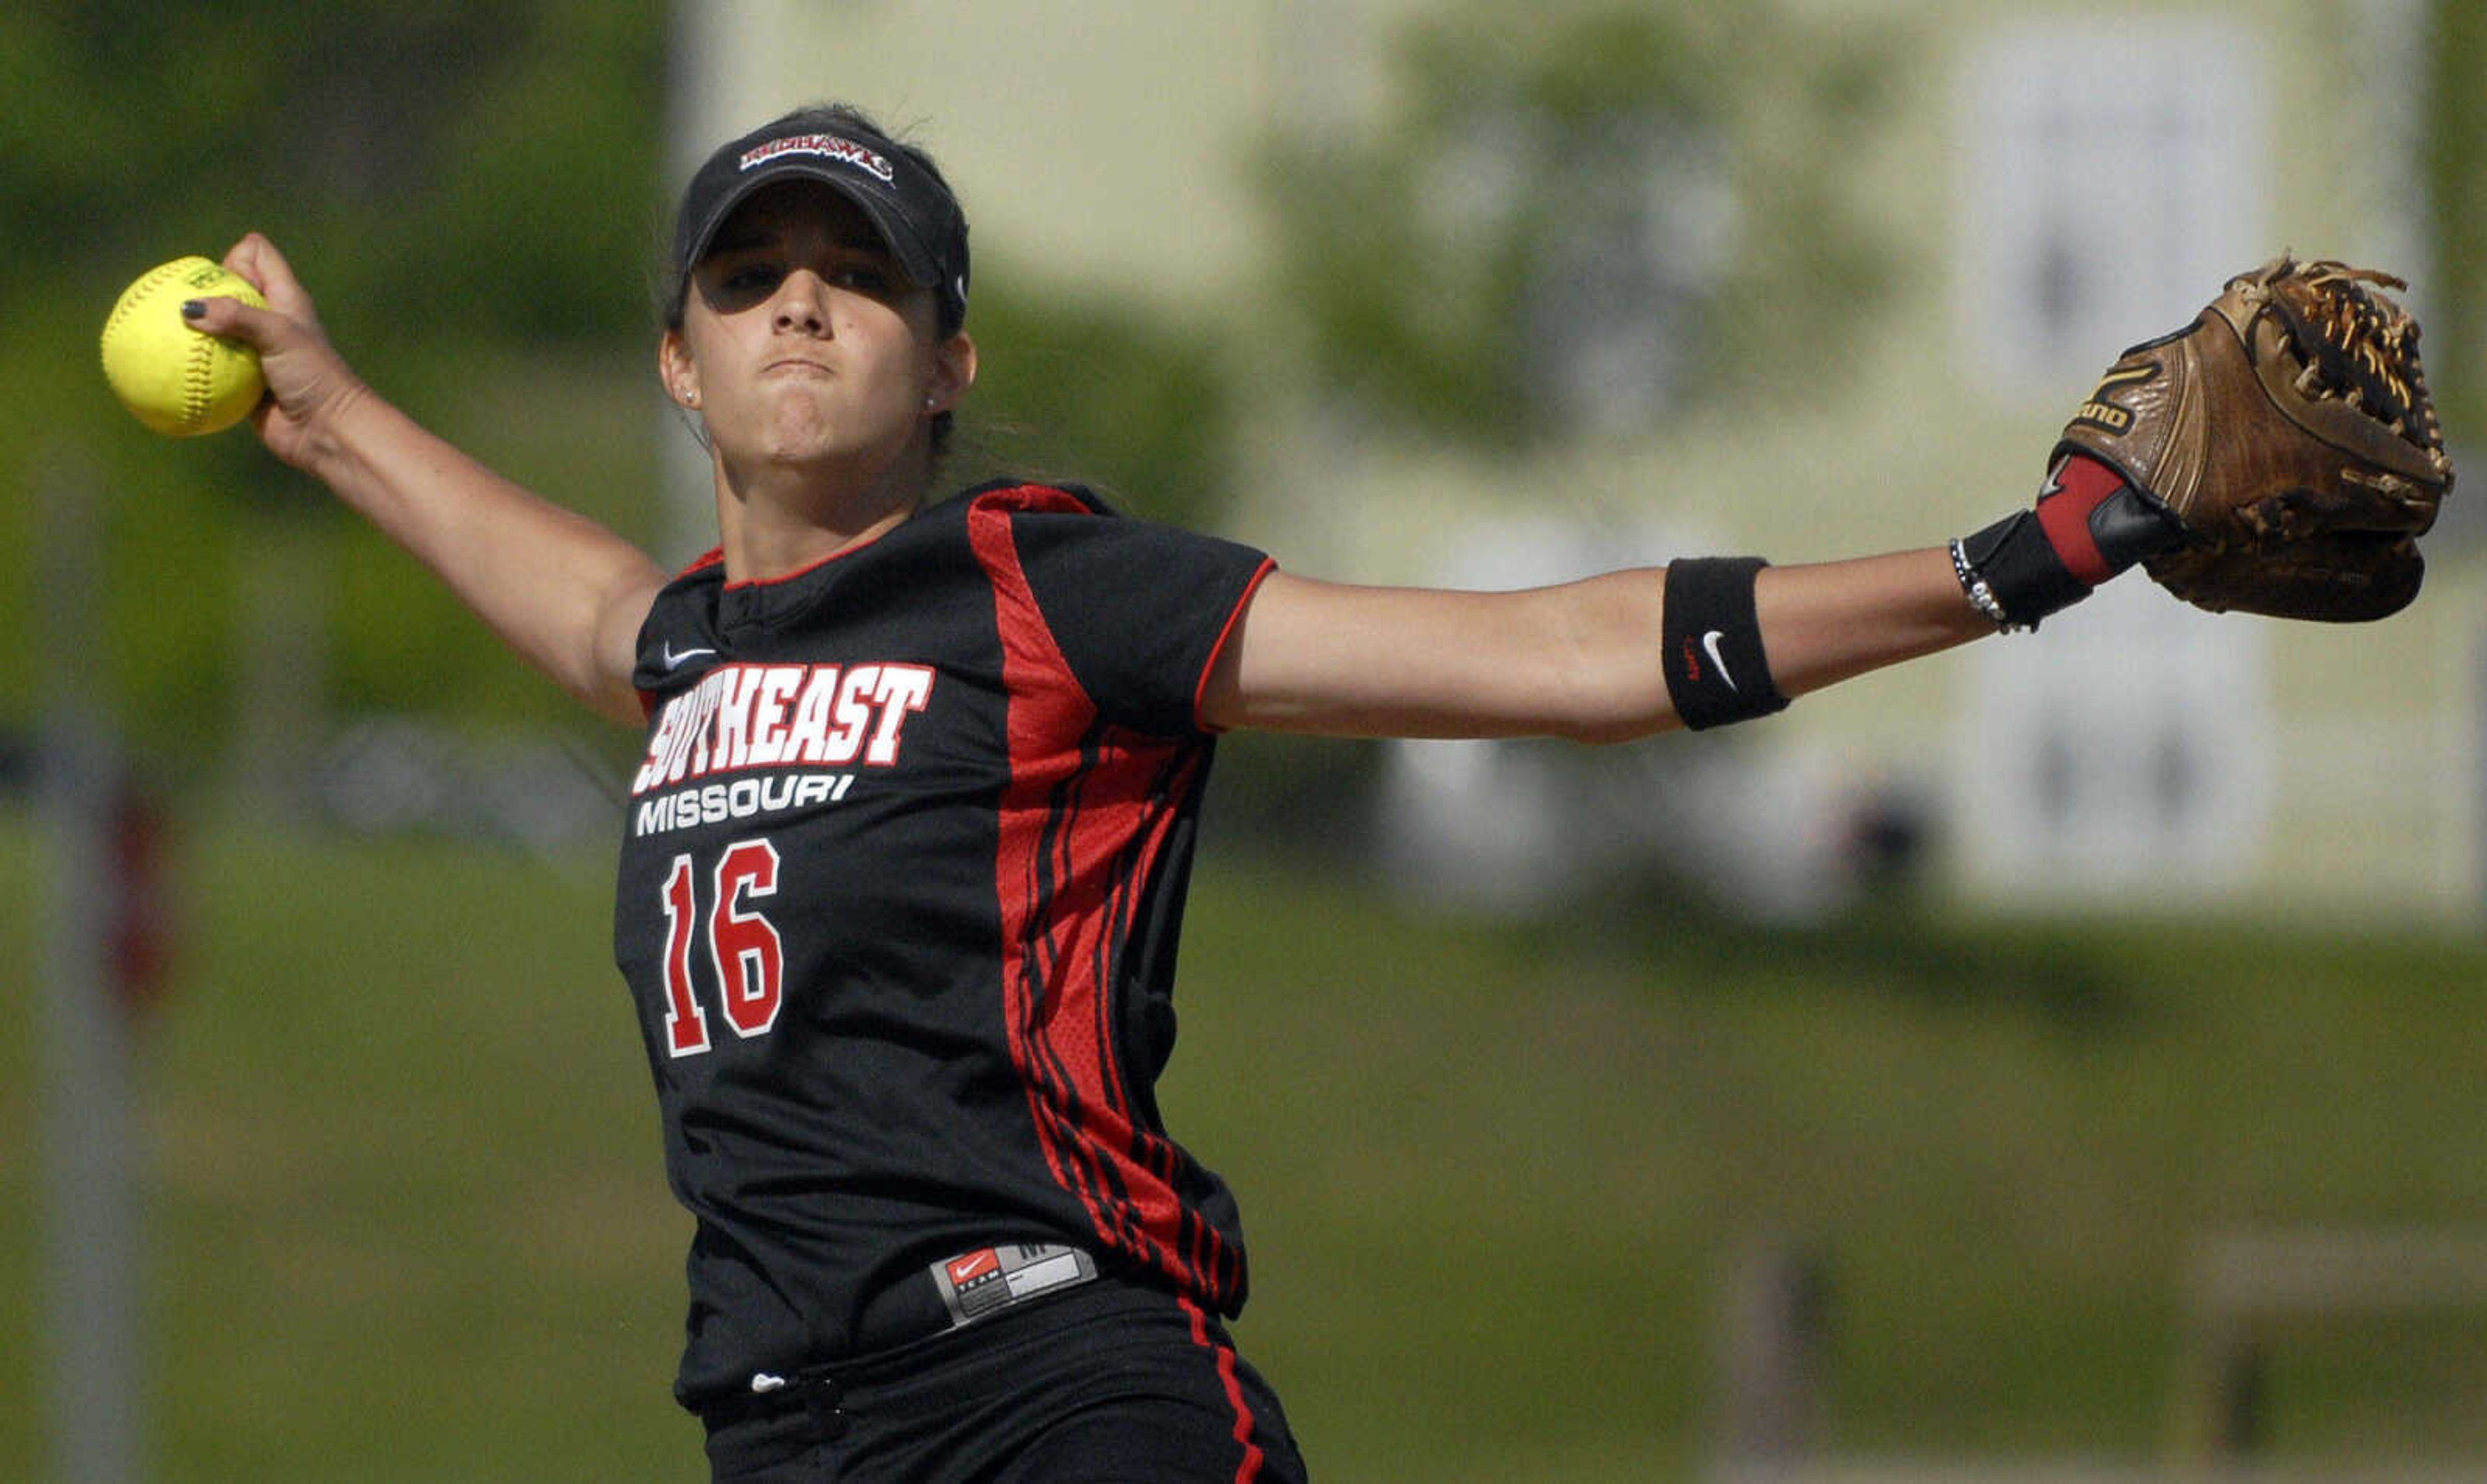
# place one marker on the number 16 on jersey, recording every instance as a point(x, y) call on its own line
point(738, 943)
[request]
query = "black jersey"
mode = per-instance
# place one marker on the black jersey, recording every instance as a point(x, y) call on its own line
point(899, 894)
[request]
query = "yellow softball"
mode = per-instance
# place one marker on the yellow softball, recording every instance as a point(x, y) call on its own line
point(176, 379)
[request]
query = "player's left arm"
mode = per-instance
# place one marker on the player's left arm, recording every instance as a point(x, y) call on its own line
point(1580, 660)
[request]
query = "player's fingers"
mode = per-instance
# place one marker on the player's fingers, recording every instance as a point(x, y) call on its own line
point(305, 372)
point(307, 379)
point(255, 259)
point(263, 330)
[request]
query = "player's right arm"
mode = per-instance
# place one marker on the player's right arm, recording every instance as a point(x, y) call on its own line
point(565, 592)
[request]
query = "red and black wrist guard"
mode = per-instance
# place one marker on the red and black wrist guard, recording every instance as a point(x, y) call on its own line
point(2087, 526)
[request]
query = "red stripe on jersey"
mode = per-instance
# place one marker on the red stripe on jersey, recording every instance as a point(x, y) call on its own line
point(1085, 822)
point(1250, 1467)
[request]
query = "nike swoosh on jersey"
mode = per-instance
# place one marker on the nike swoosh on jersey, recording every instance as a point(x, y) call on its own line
point(674, 661)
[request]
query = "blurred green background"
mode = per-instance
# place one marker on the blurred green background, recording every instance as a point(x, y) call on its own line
point(404, 1218)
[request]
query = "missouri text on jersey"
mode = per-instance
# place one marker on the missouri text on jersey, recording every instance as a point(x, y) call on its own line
point(770, 716)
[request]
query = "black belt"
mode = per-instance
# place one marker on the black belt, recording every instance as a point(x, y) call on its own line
point(947, 1295)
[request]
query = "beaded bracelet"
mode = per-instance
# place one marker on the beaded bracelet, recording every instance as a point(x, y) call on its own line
point(1981, 596)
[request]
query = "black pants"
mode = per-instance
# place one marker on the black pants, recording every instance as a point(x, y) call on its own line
point(1107, 1384)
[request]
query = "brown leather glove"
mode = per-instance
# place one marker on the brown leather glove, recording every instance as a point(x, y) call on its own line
point(2289, 431)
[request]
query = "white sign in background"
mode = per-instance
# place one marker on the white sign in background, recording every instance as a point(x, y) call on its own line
point(2112, 175)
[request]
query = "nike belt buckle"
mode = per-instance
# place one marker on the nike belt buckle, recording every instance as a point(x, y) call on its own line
point(974, 1285)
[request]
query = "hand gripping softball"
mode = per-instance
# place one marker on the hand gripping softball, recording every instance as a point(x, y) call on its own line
point(2289, 431)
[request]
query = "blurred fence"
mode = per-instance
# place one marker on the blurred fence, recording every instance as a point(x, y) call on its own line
point(2252, 1296)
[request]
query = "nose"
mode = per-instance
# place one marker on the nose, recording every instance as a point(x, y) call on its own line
point(803, 303)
